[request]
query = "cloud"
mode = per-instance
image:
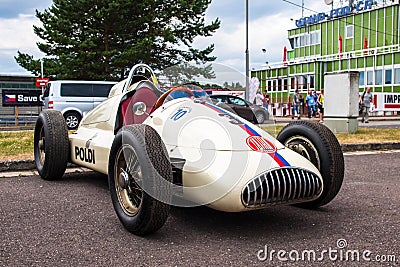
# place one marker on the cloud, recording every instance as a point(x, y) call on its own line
point(12, 8)
point(17, 34)
point(268, 27)
point(269, 22)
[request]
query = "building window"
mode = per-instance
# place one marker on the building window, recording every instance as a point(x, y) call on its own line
point(370, 77)
point(388, 76)
point(297, 42)
point(279, 85)
point(349, 31)
point(361, 82)
point(311, 81)
point(378, 77)
point(292, 83)
point(269, 85)
point(397, 76)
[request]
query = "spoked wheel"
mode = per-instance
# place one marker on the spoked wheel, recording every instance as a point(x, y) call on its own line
point(51, 145)
point(305, 147)
point(140, 179)
point(319, 145)
point(128, 180)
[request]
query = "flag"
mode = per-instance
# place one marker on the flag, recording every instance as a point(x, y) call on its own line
point(9, 98)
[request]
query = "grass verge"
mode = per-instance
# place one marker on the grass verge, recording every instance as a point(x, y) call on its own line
point(19, 145)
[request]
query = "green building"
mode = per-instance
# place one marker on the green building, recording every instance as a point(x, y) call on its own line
point(363, 37)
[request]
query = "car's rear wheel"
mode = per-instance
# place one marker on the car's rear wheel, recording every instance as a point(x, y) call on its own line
point(72, 119)
point(319, 145)
point(51, 145)
point(139, 176)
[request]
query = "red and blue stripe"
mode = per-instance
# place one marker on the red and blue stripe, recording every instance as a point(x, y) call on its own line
point(278, 158)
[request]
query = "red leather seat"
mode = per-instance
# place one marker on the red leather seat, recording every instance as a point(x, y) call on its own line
point(143, 94)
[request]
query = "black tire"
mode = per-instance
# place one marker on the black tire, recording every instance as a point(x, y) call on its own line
point(72, 119)
point(136, 192)
point(318, 144)
point(260, 117)
point(51, 145)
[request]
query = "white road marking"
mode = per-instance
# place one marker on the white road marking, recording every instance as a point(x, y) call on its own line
point(372, 152)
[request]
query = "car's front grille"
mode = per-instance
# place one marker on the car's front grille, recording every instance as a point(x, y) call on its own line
point(281, 186)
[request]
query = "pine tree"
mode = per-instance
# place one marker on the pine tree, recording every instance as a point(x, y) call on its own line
point(102, 39)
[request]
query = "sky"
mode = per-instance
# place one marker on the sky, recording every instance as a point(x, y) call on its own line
point(269, 21)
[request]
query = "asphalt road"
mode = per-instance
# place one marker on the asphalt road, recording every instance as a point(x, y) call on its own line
point(72, 223)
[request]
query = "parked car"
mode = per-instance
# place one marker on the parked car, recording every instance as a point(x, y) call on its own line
point(75, 98)
point(244, 108)
point(158, 148)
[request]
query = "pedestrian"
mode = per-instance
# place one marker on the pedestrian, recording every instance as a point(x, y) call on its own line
point(366, 100)
point(310, 100)
point(296, 104)
point(266, 100)
point(315, 95)
point(320, 102)
point(301, 104)
point(259, 98)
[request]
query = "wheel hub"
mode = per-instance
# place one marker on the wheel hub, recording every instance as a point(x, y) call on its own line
point(41, 144)
point(123, 179)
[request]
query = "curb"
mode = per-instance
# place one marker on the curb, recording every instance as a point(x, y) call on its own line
point(25, 165)
point(370, 146)
point(22, 165)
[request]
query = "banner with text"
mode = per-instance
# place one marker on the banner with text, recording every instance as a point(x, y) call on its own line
point(20, 98)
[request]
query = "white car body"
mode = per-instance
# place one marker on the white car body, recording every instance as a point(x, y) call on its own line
point(177, 148)
point(234, 164)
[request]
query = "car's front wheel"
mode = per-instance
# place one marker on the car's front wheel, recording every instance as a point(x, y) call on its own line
point(319, 145)
point(139, 178)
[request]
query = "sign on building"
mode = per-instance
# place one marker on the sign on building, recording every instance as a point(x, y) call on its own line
point(387, 101)
point(20, 98)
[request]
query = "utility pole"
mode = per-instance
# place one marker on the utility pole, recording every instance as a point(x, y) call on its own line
point(247, 51)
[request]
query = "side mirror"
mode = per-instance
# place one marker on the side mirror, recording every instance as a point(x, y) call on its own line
point(139, 108)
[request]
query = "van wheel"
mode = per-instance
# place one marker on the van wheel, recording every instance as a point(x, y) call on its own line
point(51, 145)
point(72, 119)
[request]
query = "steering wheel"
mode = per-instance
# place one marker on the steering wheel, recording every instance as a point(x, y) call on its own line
point(162, 98)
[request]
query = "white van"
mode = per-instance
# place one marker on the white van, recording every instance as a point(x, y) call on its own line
point(75, 98)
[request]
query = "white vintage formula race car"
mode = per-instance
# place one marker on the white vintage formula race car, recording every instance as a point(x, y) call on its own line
point(178, 149)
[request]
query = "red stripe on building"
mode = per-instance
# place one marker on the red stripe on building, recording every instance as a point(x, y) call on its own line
point(392, 105)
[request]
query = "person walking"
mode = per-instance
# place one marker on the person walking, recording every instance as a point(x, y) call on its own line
point(310, 100)
point(296, 105)
point(259, 98)
point(366, 100)
point(320, 102)
point(302, 104)
point(266, 101)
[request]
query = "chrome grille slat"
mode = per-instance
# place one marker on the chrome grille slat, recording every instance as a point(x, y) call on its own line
point(262, 189)
point(273, 186)
point(290, 186)
point(311, 186)
point(281, 186)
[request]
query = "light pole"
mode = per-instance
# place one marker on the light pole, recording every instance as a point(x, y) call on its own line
point(247, 50)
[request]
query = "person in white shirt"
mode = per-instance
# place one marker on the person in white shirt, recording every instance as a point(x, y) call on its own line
point(259, 98)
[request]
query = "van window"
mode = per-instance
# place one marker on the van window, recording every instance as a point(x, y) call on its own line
point(101, 90)
point(76, 89)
